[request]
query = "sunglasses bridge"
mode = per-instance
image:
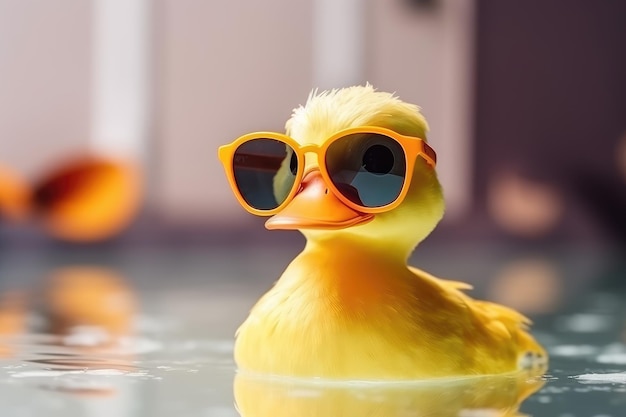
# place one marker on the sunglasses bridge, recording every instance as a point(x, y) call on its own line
point(311, 164)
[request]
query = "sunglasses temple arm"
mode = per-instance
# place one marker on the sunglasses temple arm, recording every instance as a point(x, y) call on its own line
point(430, 153)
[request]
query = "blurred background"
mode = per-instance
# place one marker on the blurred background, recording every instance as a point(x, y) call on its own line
point(116, 217)
point(526, 103)
point(111, 112)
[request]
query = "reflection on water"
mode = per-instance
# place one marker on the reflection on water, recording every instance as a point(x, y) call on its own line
point(12, 318)
point(95, 341)
point(492, 396)
point(76, 298)
point(85, 314)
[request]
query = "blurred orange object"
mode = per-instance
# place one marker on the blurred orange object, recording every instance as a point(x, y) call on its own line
point(89, 198)
point(88, 296)
point(530, 285)
point(14, 195)
point(524, 207)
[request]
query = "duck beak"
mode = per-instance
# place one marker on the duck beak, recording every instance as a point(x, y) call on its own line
point(316, 207)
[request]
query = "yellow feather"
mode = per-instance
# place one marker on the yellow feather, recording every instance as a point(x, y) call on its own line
point(330, 111)
point(349, 307)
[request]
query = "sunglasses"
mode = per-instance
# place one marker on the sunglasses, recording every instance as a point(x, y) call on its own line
point(369, 168)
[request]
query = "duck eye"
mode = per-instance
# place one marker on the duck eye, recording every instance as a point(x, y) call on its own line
point(293, 163)
point(378, 159)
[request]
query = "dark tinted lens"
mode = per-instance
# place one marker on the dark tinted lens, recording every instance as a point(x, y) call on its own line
point(265, 171)
point(367, 168)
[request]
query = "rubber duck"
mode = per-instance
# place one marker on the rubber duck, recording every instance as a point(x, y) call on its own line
point(356, 176)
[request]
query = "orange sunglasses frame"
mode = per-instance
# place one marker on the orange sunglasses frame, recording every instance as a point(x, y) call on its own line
point(412, 146)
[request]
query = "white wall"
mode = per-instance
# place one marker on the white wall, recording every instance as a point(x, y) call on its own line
point(45, 75)
point(219, 69)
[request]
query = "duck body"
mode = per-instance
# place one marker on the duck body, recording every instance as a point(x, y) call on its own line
point(345, 311)
point(349, 306)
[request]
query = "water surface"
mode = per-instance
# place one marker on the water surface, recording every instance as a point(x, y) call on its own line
point(150, 334)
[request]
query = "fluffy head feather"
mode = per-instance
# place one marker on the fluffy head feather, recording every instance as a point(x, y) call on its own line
point(330, 111)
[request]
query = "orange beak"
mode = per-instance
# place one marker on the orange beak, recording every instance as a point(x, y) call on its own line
point(316, 207)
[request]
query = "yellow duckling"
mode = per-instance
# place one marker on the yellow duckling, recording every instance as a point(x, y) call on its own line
point(355, 175)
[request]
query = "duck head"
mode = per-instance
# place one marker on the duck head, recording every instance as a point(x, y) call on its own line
point(319, 214)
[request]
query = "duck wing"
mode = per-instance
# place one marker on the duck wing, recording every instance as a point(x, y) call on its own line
point(486, 309)
point(503, 323)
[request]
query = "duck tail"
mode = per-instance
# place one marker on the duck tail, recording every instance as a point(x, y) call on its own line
point(531, 354)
